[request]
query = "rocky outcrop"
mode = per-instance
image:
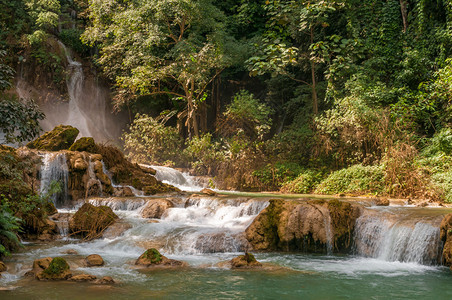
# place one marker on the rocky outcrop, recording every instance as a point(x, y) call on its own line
point(446, 237)
point(84, 144)
point(60, 138)
point(155, 208)
point(3, 267)
point(58, 269)
point(310, 226)
point(94, 260)
point(247, 261)
point(90, 221)
point(153, 258)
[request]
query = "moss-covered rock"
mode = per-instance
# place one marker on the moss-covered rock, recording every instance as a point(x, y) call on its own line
point(90, 221)
point(153, 258)
point(247, 261)
point(57, 270)
point(84, 144)
point(60, 138)
point(309, 226)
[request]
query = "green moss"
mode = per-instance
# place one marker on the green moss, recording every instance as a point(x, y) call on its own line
point(342, 221)
point(153, 255)
point(84, 144)
point(57, 266)
point(60, 138)
point(249, 257)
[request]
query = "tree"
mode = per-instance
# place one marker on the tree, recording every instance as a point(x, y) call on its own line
point(160, 47)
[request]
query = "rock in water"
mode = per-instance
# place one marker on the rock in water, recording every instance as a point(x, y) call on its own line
point(208, 192)
point(247, 261)
point(3, 267)
point(105, 280)
point(155, 208)
point(90, 221)
point(60, 138)
point(153, 258)
point(83, 277)
point(58, 269)
point(94, 260)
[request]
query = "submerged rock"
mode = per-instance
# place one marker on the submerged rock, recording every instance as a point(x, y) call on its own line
point(83, 278)
point(247, 261)
point(60, 138)
point(58, 269)
point(94, 260)
point(105, 280)
point(90, 221)
point(310, 226)
point(155, 208)
point(153, 258)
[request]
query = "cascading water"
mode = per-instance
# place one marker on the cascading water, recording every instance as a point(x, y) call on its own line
point(403, 238)
point(55, 169)
point(76, 116)
point(179, 179)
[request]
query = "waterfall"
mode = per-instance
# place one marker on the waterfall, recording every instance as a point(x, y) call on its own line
point(76, 116)
point(55, 169)
point(176, 178)
point(403, 238)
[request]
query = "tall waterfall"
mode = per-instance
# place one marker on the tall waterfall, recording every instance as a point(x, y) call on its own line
point(404, 238)
point(76, 115)
point(55, 169)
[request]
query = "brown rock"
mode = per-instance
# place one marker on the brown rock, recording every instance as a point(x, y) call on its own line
point(105, 280)
point(155, 208)
point(3, 267)
point(94, 260)
point(247, 261)
point(147, 169)
point(446, 237)
point(123, 191)
point(40, 265)
point(380, 201)
point(115, 230)
point(80, 164)
point(83, 277)
point(208, 192)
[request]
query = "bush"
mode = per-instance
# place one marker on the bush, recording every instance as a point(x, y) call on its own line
point(273, 176)
point(150, 141)
point(204, 154)
point(444, 182)
point(305, 183)
point(357, 179)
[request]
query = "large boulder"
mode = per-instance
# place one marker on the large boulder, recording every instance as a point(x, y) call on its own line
point(309, 226)
point(153, 258)
point(60, 138)
point(84, 144)
point(90, 221)
point(155, 208)
point(58, 269)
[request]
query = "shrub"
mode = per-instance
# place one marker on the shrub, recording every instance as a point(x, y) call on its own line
point(204, 154)
point(305, 183)
point(273, 176)
point(150, 141)
point(357, 179)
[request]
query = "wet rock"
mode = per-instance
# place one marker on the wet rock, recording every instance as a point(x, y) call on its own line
point(3, 267)
point(83, 278)
point(105, 280)
point(60, 138)
point(94, 260)
point(58, 269)
point(70, 252)
point(84, 144)
point(90, 221)
point(155, 208)
point(380, 201)
point(123, 191)
point(39, 265)
point(115, 230)
point(208, 192)
point(221, 242)
point(147, 169)
point(446, 237)
point(307, 226)
point(153, 258)
point(247, 261)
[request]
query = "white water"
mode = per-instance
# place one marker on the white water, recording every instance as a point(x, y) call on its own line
point(181, 180)
point(387, 238)
point(55, 169)
point(76, 116)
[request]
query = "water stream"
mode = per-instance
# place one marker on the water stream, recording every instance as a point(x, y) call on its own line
point(396, 255)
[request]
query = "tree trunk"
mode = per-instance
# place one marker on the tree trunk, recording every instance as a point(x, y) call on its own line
point(403, 10)
point(315, 105)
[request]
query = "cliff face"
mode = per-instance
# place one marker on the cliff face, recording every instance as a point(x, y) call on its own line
point(313, 226)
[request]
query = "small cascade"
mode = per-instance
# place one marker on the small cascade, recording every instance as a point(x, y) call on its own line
point(176, 178)
point(391, 237)
point(329, 234)
point(128, 204)
point(55, 169)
